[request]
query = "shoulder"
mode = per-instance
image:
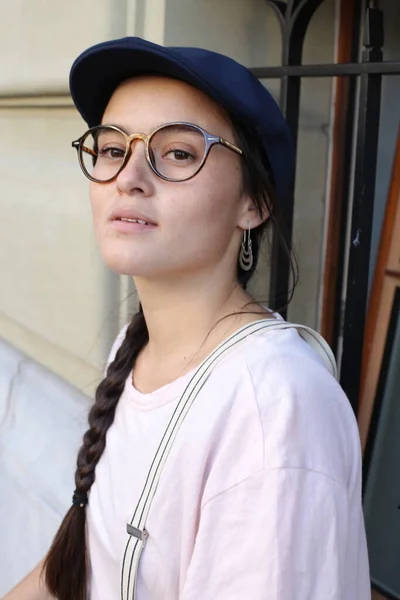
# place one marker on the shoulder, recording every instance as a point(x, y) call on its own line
point(281, 364)
point(278, 363)
point(306, 418)
point(280, 409)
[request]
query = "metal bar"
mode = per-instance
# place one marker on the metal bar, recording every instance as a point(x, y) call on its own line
point(280, 9)
point(344, 116)
point(280, 263)
point(279, 271)
point(329, 70)
point(292, 48)
point(294, 32)
point(301, 7)
point(358, 21)
point(362, 211)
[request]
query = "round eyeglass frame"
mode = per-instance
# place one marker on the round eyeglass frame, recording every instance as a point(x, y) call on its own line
point(210, 140)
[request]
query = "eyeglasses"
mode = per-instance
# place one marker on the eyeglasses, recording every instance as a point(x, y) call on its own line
point(175, 151)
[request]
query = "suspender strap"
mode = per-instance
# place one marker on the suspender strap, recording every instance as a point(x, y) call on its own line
point(136, 526)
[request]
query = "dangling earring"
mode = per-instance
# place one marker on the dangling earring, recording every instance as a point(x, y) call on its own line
point(246, 251)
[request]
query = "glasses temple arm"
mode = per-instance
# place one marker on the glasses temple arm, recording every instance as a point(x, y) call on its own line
point(230, 146)
point(84, 148)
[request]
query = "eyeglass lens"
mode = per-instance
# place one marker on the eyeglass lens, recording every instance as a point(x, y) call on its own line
point(175, 151)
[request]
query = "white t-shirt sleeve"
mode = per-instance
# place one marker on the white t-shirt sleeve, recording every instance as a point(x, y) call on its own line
point(293, 528)
point(278, 535)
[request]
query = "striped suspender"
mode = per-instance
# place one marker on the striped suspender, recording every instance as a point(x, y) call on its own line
point(136, 526)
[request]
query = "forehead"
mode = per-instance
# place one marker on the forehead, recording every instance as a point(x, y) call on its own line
point(145, 102)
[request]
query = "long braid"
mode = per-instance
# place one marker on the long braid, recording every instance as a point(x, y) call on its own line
point(66, 565)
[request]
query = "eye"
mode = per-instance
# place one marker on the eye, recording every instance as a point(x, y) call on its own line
point(178, 154)
point(181, 154)
point(111, 152)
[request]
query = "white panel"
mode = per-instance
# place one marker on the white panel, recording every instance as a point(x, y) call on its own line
point(44, 419)
point(10, 363)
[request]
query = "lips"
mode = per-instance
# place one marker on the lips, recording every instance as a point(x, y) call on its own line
point(128, 215)
point(127, 221)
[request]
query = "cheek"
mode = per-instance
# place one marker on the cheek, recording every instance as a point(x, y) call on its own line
point(97, 202)
point(216, 196)
point(206, 209)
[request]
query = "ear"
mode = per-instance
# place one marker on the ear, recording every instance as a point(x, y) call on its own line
point(248, 215)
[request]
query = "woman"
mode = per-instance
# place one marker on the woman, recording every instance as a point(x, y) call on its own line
point(258, 494)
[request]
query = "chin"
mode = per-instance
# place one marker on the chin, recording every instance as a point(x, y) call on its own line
point(121, 263)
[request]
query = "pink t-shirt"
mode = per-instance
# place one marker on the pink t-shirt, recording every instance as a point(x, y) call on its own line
point(260, 497)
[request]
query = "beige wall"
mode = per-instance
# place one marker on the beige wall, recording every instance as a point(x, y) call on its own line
point(40, 38)
point(58, 303)
point(47, 257)
point(244, 30)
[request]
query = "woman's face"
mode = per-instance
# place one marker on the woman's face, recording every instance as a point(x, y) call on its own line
point(194, 225)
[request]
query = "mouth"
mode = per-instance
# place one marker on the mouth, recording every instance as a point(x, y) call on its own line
point(126, 221)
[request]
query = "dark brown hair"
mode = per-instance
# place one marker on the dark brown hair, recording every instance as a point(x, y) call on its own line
point(258, 183)
point(66, 565)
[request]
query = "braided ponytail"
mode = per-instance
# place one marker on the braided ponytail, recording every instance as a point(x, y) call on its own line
point(66, 565)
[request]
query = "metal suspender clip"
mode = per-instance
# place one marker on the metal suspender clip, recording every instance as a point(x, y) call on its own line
point(137, 533)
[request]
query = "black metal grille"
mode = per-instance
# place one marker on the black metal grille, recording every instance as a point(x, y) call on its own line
point(294, 17)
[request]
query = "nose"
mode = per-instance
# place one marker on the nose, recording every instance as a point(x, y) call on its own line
point(137, 173)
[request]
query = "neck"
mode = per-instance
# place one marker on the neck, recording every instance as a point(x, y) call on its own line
point(180, 314)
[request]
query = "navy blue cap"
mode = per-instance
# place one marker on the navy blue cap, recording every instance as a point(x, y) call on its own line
point(98, 71)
